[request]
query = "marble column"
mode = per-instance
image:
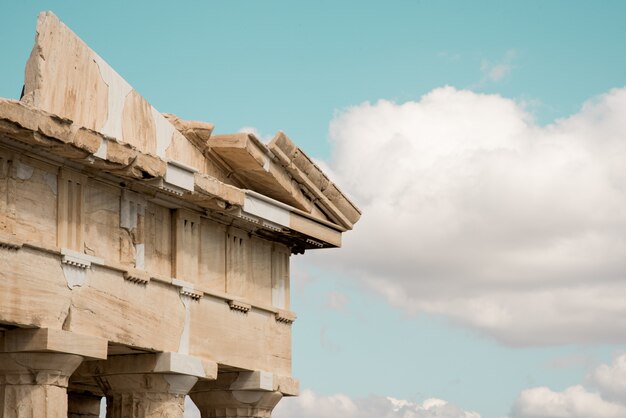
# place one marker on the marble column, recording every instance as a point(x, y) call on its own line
point(147, 395)
point(35, 367)
point(148, 385)
point(243, 394)
point(34, 385)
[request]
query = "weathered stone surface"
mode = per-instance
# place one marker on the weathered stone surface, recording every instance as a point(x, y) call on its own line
point(33, 385)
point(146, 395)
point(195, 131)
point(138, 127)
point(53, 341)
point(224, 398)
point(146, 385)
point(252, 162)
point(33, 401)
point(62, 76)
point(215, 189)
point(129, 236)
point(309, 174)
point(252, 340)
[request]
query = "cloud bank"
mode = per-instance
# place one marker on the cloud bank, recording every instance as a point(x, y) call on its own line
point(472, 211)
point(609, 401)
point(311, 405)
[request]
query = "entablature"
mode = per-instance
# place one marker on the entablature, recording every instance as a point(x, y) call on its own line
point(58, 141)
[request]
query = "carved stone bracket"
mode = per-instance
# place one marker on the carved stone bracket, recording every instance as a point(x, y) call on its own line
point(8, 242)
point(187, 289)
point(285, 317)
point(137, 276)
point(79, 260)
point(236, 305)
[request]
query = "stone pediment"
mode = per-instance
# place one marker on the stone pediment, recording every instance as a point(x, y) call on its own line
point(275, 187)
point(66, 79)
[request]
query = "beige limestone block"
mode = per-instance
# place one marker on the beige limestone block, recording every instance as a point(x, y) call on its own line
point(158, 241)
point(280, 276)
point(33, 385)
point(252, 162)
point(33, 290)
point(66, 78)
point(237, 261)
point(138, 126)
point(252, 340)
point(198, 133)
point(314, 229)
point(36, 119)
point(42, 129)
point(53, 341)
point(213, 188)
point(86, 139)
point(150, 317)
point(71, 210)
point(183, 151)
point(62, 76)
point(259, 288)
point(147, 166)
point(102, 226)
point(337, 205)
point(120, 153)
point(212, 256)
point(186, 242)
point(34, 197)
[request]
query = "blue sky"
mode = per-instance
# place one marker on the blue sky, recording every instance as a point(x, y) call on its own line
point(487, 268)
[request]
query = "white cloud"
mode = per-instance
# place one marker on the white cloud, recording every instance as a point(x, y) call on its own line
point(311, 405)
point(497, 71)
point(611, 379)
point(573, 402)
point(472, 211)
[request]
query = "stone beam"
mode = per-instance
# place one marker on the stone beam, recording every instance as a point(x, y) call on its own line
point(53, 341)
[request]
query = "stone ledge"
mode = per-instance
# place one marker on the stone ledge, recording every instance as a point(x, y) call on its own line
point(54, 341)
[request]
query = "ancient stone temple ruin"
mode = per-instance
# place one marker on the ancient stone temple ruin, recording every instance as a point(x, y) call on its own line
point(142, 258)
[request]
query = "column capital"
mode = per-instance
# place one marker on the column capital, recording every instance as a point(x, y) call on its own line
point(147, 385)
point(35, 384)
point(37, 368)
point(251, 394)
